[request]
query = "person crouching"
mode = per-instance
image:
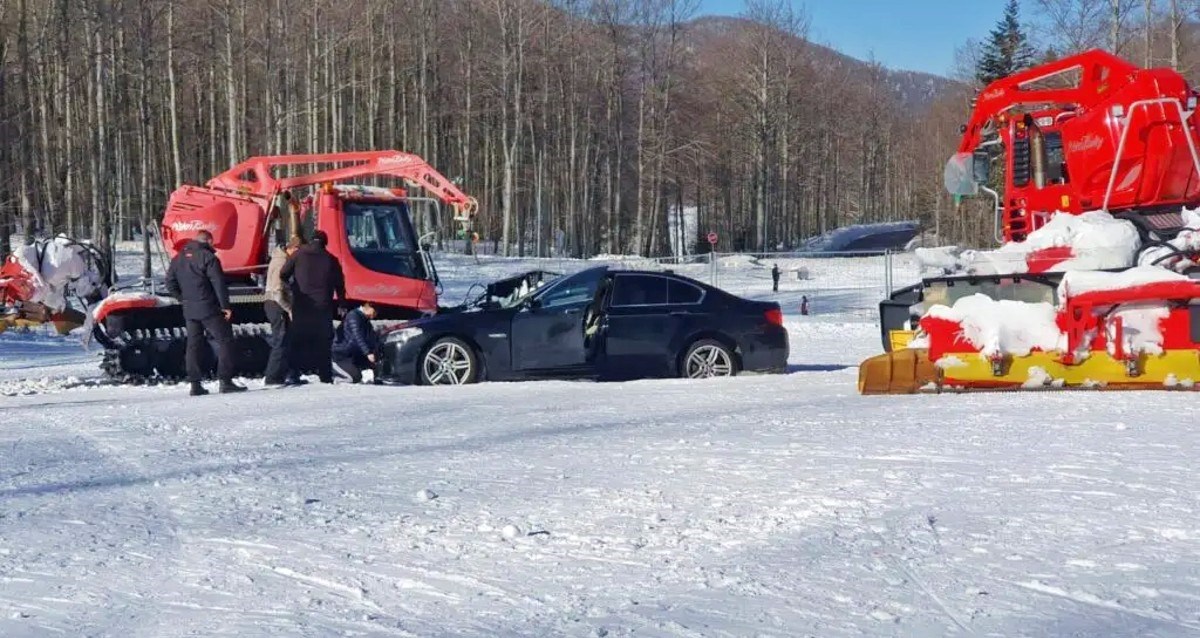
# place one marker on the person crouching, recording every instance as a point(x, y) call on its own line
point(355, 343)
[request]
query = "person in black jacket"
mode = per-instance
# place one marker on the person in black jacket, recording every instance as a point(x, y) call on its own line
point(316, 279)
point(195, 278)
point(355, 344)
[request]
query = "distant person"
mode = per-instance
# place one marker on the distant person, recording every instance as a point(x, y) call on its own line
point(775, 277)
point(355, 345)
point(195, 278)
point(316, 280)
point(804, 304)
point(280, 370)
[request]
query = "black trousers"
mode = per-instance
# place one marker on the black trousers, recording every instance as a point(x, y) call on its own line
point(351, 367)
point(312, 341)
point(279, 365)
point(220, 332)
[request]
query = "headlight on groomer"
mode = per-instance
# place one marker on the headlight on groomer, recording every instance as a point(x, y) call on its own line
point(399, 337)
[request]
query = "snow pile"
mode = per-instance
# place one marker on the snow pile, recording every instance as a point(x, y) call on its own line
point(739, 261)
point(946, 259)
point(57, 268)
point(1097, 240)
point(1038, 377)
point(1080, 282)
point(1003, 326)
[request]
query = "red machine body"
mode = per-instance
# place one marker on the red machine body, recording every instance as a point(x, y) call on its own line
point(1088, 132)
point(242, 210)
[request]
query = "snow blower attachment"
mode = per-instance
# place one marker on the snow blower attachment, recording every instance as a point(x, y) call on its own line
point(1097, 283)
point(259, 204)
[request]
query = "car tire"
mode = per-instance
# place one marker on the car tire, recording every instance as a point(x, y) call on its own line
point(448, 361)
point(708, 358)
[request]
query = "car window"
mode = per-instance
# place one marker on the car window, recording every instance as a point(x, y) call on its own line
point(639, 290)
point(577, 289)
point(681, 292)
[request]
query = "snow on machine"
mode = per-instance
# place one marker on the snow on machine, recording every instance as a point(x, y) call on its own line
point(261, 202)
point(1097, 281)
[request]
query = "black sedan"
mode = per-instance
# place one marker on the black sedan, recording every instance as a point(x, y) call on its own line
point(598, 323)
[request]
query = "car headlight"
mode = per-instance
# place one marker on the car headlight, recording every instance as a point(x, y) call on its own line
point(399, 337)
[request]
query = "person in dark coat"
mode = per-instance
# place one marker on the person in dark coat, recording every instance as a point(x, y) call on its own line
point(355, 345)
point(316, 280)
point(775, 277)
point(195, 278)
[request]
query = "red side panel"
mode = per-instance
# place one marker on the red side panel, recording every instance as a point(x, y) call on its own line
point(236, 223)
point(15, 282)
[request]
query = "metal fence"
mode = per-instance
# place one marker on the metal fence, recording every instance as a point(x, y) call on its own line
point(847, 282)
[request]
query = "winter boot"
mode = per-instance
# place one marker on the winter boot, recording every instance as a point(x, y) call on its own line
point(229, 387)
point(198, 390)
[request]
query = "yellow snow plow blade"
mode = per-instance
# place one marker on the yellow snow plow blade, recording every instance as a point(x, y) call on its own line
point(63, 326)
point(901, 371)
point(910, 371)
point(1173, 369)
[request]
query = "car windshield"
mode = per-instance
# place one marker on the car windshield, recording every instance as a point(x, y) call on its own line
point(572, 290)
point(381, 237)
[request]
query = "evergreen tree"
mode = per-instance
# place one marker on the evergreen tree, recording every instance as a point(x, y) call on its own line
point(1007, 50)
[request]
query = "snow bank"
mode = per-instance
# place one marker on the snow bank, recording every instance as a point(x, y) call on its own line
point(1002, 326)
point(739, 261)
point(58, 267)
point(1097, 239)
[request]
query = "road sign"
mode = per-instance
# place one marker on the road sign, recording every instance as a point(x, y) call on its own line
point(712, 238)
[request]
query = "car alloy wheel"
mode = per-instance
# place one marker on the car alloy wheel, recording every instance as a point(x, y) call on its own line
point(708, 359)
point(448, 362)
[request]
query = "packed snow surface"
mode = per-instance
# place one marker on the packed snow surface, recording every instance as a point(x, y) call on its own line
point(774, 506)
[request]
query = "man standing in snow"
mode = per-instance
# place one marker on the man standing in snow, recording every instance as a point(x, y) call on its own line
point(355, 344)
point(195, 278)
point(278, 307)
point(316, 279)
point(775, 277)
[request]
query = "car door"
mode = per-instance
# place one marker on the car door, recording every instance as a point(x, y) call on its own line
point(547, 331)
point(638, 326)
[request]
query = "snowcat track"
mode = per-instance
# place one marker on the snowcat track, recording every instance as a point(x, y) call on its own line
point(151, 357)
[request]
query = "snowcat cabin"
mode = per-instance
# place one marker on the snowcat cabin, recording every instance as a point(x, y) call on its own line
point(371, 232)
point(1088, 132)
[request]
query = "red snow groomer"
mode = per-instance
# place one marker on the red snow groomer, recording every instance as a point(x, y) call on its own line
point(258, 204)
point(1093, 283)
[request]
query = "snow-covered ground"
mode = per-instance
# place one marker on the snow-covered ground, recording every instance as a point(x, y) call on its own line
point(755, 506)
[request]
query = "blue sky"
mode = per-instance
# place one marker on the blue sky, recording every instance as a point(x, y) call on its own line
point(917, 35)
